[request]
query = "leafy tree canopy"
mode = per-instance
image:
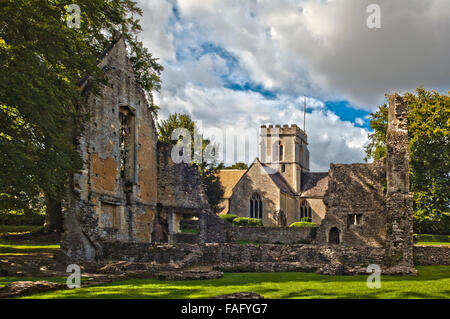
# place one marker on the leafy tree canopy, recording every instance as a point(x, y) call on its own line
point(208, 167)
point(42, 61)
point(429, 150)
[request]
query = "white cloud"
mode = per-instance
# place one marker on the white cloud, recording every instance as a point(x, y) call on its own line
point(325, 48)
point(224, 112)
point(319, 48)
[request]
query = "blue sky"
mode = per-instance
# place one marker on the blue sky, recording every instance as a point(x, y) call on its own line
point(236, 64)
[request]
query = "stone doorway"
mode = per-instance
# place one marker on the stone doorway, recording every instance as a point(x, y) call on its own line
point(333, 237)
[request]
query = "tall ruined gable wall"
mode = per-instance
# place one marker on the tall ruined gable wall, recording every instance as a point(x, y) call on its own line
point(102, 205)
point(355, 189)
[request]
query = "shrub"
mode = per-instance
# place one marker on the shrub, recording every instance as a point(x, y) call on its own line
point(303, 224)
point(427, 226)
point(228, 217)
point(248, 222)
point(306, 219)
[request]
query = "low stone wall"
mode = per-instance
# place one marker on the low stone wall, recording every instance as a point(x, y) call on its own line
point(186, 238)
point(324, 259)
point(432, 255)
point(274, 235)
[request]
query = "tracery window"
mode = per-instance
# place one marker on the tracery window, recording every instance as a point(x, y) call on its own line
point(256, 206)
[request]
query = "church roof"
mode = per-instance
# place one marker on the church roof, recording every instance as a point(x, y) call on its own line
point(229, 178)
point(279, 181)
point(314, 184)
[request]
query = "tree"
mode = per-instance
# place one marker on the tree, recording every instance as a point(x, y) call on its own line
point(42, 61)
point(237, 165)
point(429, 150)
point(207, 168)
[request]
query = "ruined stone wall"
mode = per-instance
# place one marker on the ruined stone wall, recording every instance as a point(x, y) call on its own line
point(273, 235)
point(263, 257)
point(114, 195)
point(431, 255)
point(180, 192)
point(355, 189)
point(399, 204)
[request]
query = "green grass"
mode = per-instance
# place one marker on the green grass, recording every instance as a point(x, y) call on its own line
point(22, 249)
point(432, 282)
point(429, 240)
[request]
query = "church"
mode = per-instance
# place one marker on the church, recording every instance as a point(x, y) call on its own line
point(278, 187)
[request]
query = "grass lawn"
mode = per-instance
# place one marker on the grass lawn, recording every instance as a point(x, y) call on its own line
point(432, 243)
point(22, 249)
point(23, 240)
point(432, 282)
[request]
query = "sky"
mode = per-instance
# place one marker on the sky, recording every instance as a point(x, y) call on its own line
point(234, 65)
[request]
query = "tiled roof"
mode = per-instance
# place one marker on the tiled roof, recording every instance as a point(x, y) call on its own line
point(229, 178)
point(314, 184)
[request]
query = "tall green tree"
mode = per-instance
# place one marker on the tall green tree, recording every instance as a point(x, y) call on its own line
point(42, 61)
point(429, 150)
point(208, 167)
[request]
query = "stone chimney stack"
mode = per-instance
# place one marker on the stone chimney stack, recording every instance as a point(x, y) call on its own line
point(399, 204)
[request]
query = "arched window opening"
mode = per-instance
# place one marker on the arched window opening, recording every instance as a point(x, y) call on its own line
point(256, 207)
point(333, 236)
point(283, 168)
point(305, 210)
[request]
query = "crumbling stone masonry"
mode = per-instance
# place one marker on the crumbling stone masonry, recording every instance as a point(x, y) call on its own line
point(399, 203)
point(129, 190)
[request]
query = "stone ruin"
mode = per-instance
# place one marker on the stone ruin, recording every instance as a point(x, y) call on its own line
point(129, 189)
point(130, 198)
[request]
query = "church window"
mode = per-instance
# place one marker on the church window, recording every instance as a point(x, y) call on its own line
point(256, 207)
point(283, 168)
point(281, 151)
point(305, 210)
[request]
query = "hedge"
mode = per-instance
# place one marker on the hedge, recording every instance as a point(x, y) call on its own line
point(228, 217)
point(427, 226)
point(248, 222)
point(432, 238)
point(303, 224)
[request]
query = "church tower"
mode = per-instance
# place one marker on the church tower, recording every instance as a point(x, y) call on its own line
point(285, 150)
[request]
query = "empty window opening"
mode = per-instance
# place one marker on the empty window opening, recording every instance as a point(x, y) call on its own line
point(281, 151)
point(256, 207)
point(354, 219)
point(127, 144)
point(333, 236)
